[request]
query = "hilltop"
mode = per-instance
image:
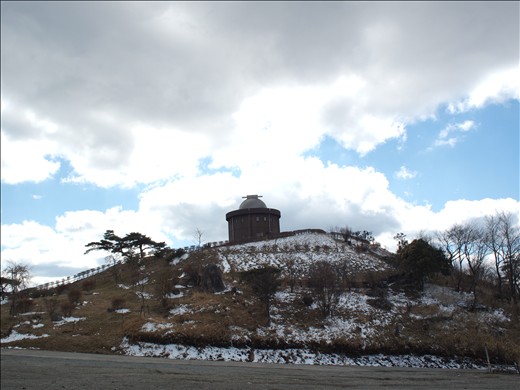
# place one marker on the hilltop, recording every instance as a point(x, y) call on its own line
point(166, 309)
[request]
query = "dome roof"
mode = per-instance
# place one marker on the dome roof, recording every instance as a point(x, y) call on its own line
point(252, 202)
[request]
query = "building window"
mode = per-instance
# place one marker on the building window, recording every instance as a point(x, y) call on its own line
point(257, 219)
point(265, 219)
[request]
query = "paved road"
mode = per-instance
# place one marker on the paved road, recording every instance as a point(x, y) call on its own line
point(34, 369)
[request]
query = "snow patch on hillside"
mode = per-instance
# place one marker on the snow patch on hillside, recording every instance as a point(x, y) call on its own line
point(66, 320)
point(154, 326)
point(304, 249)
point(180, 310)
point(144, 295)
point(15, 336)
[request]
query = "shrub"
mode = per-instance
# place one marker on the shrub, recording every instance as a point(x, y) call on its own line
point(361, 248)
point(420, 260)
point(380, 303)
point(61, 288)
point(118, 303)
point(47, 292)
point(22, 305)
point(264, 282)
point(212, 278)
point(325, 283)
point(74, 296)
point(66, 308)
point(308, 301)
point(52, 308)
point(88, 285)
point(192, 272)
point(164, 282)
point(166, 304)
point(34, 293)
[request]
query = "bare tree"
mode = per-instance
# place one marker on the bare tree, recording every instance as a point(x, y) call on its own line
point(511, 254)
point(495, 243)
point(346, 272)
point(19, 275)
point(292, 271)
point(8, 285)
point(197, 236)
point(51, 305)
point(346, 233)
point(452, 242)
point(115, 270)
point(139, 280)
point(502, 237)
point(324, 281)
point(165, 280)
point(264, 282)
point(475, 251)
point(469, 245)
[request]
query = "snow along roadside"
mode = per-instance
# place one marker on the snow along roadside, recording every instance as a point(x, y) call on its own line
point(292, 356)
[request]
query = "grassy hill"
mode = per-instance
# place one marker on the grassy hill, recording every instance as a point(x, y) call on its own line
point(163, 309)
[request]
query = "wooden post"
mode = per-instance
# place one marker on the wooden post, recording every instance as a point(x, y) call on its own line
point(487, 357)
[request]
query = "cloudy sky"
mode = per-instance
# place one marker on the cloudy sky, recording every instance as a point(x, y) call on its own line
point(158, 117)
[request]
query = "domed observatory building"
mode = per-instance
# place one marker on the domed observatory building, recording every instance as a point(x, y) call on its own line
point(252, 221)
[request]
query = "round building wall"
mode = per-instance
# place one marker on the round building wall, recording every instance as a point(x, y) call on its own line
point(252, 224)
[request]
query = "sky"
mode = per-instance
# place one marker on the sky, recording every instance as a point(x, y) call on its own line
point(158, 117)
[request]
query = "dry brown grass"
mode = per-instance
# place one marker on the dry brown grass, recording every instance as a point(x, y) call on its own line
point(461, 334)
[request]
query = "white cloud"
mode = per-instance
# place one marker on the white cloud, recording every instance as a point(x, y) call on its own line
point(27, 152)
point(497, 87)
point(141, 93)
point(45, 249)
point(283, 121)
point(57, 251)
point(452, 134)
point(221, 81)
point(26, 161)
point(405, 174)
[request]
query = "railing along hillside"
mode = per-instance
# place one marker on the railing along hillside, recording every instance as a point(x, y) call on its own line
point(76, 278)
point(188, 249)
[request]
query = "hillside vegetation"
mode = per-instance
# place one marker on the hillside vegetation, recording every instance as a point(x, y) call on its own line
point(203, 299)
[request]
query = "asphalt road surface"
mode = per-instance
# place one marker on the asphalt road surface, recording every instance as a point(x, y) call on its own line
point(35, 369)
